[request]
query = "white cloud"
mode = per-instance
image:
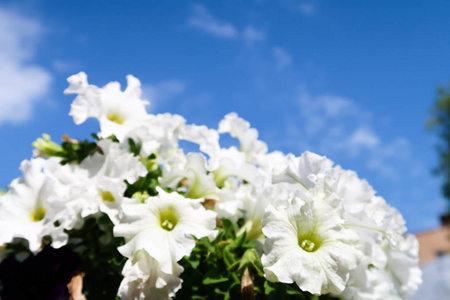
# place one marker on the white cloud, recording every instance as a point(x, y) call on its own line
point(163, 91)
point(22, 83)
point(282, 58)
point(335, 106)
point(398, 147)
point(307, 9)
point(326, 113)
point(203, 20)
point(251, 34)
point(65, 66)
point(363, 137)
point(337, 125)
point(331, 106)
point(384, 169)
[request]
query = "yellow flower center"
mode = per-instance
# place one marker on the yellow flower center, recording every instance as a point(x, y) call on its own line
point(141, 196)
point(37, 214)
point(309, 243)
point(107, 196)
point(168, 219)
point(114, 117)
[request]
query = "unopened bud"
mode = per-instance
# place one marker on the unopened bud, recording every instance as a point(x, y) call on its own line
point(45, 147)
point(247, 287)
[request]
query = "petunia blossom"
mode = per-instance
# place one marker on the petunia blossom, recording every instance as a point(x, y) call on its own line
point(307, 243)
point(143, 279)
point(165, 227)
point(117, 112)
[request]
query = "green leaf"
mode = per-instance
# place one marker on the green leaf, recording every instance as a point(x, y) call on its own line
point(193, 260)
point(238, 241)
point(251, 260)
point(228, 257)
point(275, 290)
point(269, 288)
point(294, 290)
point(234, 292)
point(213, 278)
point(229, 229)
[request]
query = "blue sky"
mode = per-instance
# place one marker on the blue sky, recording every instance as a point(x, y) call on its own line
point(352, 80)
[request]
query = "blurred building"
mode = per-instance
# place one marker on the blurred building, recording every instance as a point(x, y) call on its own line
point(434, 243)
point(436, 280)
point(434, 259)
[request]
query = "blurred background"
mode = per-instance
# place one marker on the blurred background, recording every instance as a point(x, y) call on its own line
point(351, 80)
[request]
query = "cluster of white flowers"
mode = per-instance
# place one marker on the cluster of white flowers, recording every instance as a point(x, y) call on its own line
point(318, 226)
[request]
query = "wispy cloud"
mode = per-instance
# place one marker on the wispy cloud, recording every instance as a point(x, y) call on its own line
point(251, 34)
point(65, 66)
point(158, 93)
point(22, 82)
point(363, 137)
point(203, 20)
point(282, 58)
point(307, 9)
point(337, 125)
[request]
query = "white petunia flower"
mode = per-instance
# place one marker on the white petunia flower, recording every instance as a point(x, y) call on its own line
point(228, 206)
point(71, 181)
point(30, 207)
point(366, 213)
point(254, 200)
point(199, 183)
point(207, 139)
point(387, 220)
point(307, 243)
point(248, 137)
point(273, 162)
point(304, 170)
point(403, 266)
point(386, 273)
point(165, 227)
point(158, 134)
point(231, 162)
point(105, 186)
point(144, 280)
point(247, 201)
point(118, 112)
point(87, 104)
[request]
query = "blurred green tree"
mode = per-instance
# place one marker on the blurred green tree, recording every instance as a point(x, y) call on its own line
point(439, 122)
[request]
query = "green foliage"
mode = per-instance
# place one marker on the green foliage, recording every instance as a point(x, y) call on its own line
point(76, 152)
point(71, 151)
point(47, 146)
point(18, 249)
point(95, 244)
point(147, 184)
point(134, 148)
point(214, 270)
point(439, 122)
